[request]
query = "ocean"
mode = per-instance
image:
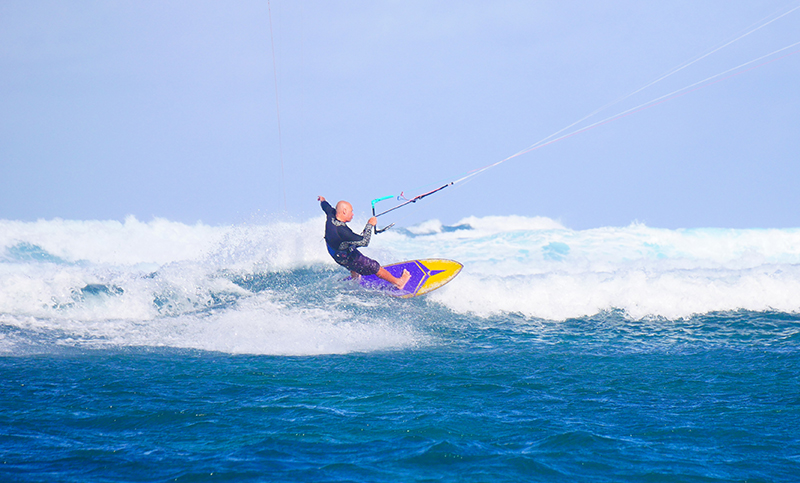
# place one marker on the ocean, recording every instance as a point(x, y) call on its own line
point(161, 351)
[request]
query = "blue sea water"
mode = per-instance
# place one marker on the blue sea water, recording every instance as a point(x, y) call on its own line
point(158, 351)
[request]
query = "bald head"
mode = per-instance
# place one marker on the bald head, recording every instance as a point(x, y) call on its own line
point(344, 211)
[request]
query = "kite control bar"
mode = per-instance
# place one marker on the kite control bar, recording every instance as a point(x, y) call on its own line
point(380, 230)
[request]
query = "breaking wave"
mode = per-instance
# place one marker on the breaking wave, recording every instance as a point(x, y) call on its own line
point(271, 288)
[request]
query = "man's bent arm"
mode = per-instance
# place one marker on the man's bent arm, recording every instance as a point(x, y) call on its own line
point(364, 241)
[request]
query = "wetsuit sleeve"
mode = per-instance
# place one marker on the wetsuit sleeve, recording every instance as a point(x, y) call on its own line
point(327, 208)
point(357, 240)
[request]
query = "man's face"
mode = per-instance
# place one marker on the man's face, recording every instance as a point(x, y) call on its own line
point(344, 212)
point(348, 214)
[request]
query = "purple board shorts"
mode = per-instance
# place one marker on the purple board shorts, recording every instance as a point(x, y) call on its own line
point(362, 265)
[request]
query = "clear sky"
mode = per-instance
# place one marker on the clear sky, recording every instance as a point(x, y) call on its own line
point(168, 109)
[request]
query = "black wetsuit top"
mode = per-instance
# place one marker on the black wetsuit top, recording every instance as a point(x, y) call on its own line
point(342, 242)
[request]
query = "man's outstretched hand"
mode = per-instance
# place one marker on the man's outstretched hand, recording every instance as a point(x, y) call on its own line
point(320, 198)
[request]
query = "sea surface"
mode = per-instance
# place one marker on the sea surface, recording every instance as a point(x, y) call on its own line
point(160, 351)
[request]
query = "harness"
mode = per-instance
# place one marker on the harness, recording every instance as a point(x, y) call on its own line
point(340, 256)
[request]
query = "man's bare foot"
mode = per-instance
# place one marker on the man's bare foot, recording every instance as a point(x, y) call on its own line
point(355, 276)
point(403, 280)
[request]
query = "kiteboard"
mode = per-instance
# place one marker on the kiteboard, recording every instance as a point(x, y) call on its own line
point(426, 275)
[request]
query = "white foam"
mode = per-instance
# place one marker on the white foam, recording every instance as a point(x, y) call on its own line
point(558, 274)
point(265, 327)
point(106, 283)
point(426, 228)
point(113, 242)
point(639, 291)
point(159, 283)
point(257, 326)
point(496, 224)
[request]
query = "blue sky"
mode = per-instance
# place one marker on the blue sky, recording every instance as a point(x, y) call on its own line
point(168, 109)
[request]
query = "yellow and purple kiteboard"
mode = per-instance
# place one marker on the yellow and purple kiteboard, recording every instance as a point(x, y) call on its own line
point(426, 275)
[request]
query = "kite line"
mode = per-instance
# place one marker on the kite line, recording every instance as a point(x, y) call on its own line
point(558, 136)
point(277, 108)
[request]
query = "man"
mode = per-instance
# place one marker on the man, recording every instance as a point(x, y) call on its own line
point(343, 244)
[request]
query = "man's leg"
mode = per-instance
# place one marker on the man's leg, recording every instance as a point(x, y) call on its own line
point(369, 266)
point(397, 282)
